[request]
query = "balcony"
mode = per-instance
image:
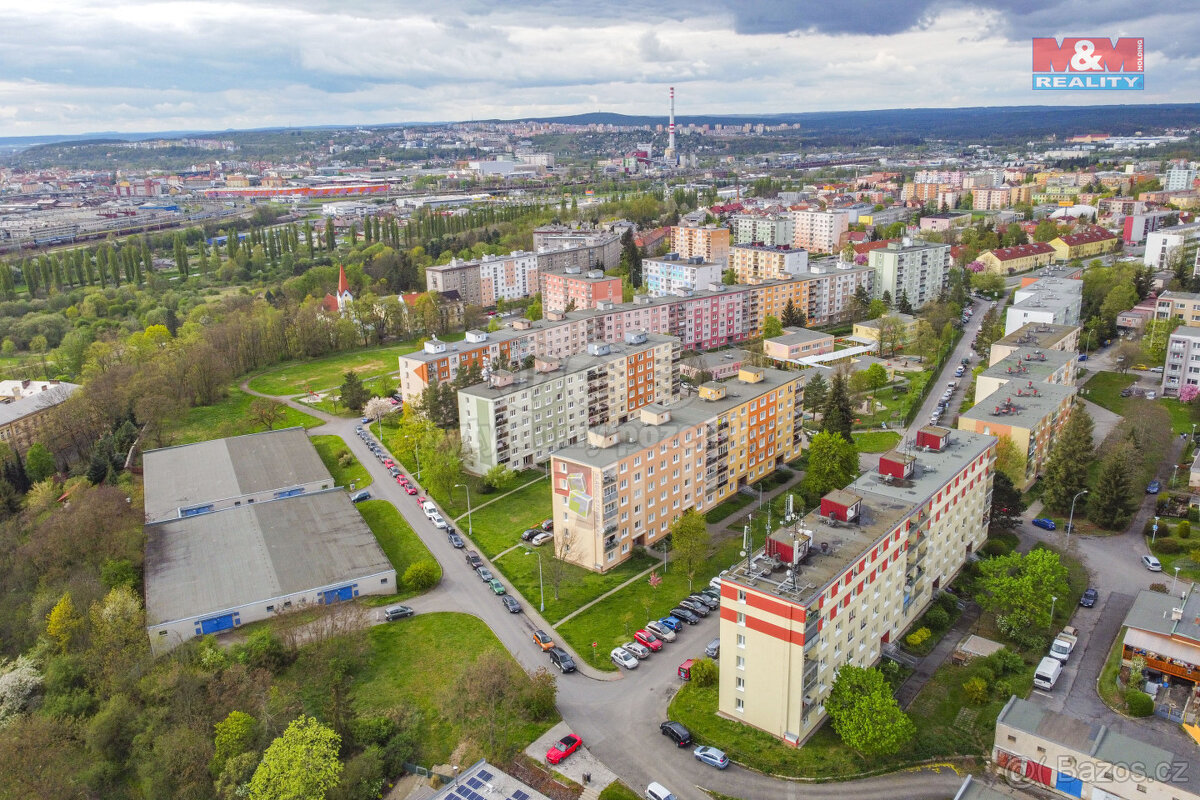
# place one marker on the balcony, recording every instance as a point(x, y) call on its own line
point(610, 528)
point(610, 542)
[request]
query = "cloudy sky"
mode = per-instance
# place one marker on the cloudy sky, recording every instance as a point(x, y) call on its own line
point(78, 66)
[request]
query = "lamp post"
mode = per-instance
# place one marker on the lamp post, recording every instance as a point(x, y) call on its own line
point(541, 587)
point(1174, 579)
point(1053, 600)
point(470, 527)
point(1071, 519)
point(1154, 531)
point(417, 456)
point(1174, 472)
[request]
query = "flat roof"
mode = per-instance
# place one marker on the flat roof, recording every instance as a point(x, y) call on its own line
point(1186, 332)
point(1173, 295)
point(769, 248)
point(1038, 334)
point(1151, 611)
point(23, 407)
point(196, 566)
point(1026, 409)
point(192, 474)
point(793, 336)
point(906, 319)
point(482, 781)
point(1030, 362)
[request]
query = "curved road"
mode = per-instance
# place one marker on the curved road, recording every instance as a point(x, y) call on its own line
point(616, 714)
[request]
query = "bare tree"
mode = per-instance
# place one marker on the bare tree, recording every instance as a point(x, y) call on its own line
point(557, 567)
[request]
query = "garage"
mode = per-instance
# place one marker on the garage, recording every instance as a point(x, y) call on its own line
point(216, 624)
point(343, 593)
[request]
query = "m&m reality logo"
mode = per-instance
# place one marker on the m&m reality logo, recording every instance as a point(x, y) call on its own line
point(1089, 63)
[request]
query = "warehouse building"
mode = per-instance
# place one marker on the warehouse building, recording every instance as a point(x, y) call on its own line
point(243, 528)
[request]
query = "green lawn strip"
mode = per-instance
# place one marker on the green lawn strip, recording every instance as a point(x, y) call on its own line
point(605, 623)
point(296, 377)
point(497, 526)
point(396, 537)
point(728, 506)
point(1104, 389)
point(230, 417)
point(332, 449)
point(876, 441)
point(1107, 686)
point(1188, 569)
point(618, 791)
point(578, 586)
point(412, 664)
point(1181, 415)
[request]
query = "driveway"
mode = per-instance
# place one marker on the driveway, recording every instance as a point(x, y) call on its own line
point(961, 351)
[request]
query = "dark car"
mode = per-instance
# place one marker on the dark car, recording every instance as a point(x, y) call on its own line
point(694, 606)
point(707, 600)
point(561, 659)
point(1089, 598)
point(686, 615)
point(456, 541)
point(510, 603)
point(529, 533)
point(473, 559)
point(676, 732)
point(1045, 523)
point(1126, 392)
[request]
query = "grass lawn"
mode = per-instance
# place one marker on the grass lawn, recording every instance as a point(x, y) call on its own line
point(331, 449)
point(1188, 569)
point(613, 620)
point(410, 665)
point(618, 791)
point(229, 417)
point(876, 441)
point(400, 543)
point(1110, 691)
point(578, 586)
point(728, 506)
point(1104, 389)
point(498, 526)
point(297, 377)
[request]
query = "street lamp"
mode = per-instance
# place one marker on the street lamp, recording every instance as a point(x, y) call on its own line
point(470, 527)
point(1154, 531)
point(1174, 472)
point(541, 588)
point(1053, 600)
point(417, 456)
point(1071, 519)
point(1174, 579)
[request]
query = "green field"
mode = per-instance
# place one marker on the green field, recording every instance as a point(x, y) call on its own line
point(332, 449)
point(229, 417)
point(876, 441)
point(297, 377)
point(1104, 389)
point(498, 525)
point(613, 620)
point(577, 586)
point(412, 663)
point(400, 543)
point(729, 505)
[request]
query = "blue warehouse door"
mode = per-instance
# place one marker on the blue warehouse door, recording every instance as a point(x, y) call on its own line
point(217, 624)
point(1069, 785)
point(343, 593)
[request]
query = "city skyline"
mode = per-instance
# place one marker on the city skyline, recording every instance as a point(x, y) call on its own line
point(147, 65)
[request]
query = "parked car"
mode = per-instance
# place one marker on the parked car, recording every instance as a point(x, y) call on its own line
point(1089, 598)
point(496, 586)
point(1126, 392)
point(439, 521)
point(709, 602)
point(656, 791)
point(410, 489)
point(1151, 563)
point(671, 623)
point(510, 603)
point(639, 650)
point(676, 732)
point(714, 648)
point(648, 639)
point(485, 574)
point(663, 632)
point(543, 640)
point(715, 594)
point(394, 471)
point(548, 525)
point(392, 613)
point(623, 658)
point(456, 541)
point(1154, 487)
point(1047, 672)
point(541, 539)
point(563, 748)
point(529, 533)
point(1045, 523)
point(711, 756)
point(358, 497)
point(473, 559)
point(697, 608)
point(561, 659)
point(686, 615)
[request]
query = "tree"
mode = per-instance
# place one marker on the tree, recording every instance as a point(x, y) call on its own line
point(39, 463)
point(689, 542)
point(864, 713)
point(1018, 588)
point(533, 311)
point(422, 575)
point(1127, 355)
point(1066, 470)
point(266, 412)
point(877, 377)
point(815, 392)
point(902, 303)
point(988, 283)
point(876, 309)
point(499, 477)
point(1111, 501)
point(838, 414)
point(927, 341)
point(729, 277)
point(1046, 230)
point(233, 736)
point(353, 394)
point(302, 764)
point(832, 464)
point(1007, 504)
point(377, 408)
point(792, 316)
point(891, 334)
point(1010, 460)
point(772, 327)
point(63, 622)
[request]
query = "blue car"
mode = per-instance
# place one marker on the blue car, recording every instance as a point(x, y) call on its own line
point(1153, 487)
point(711, 756)
point(1045, 523)
point(671, 623)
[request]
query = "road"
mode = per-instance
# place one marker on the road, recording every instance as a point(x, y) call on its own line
point(616, 714)
point(961, 351)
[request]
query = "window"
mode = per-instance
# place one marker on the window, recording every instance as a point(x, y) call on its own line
point(739, 705)
point(741, 618)
point(741, 662)
point(739, 684)
point(741, 640)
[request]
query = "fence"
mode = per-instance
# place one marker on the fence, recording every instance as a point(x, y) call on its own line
point(417, 769)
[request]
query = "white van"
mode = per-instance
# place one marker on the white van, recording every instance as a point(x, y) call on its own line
point(656, 791)
point(1047, 673)
point(429, 508)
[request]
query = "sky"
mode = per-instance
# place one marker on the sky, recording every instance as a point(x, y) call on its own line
point(77, 66)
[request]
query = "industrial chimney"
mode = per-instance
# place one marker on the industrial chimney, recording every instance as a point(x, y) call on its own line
point(670, 154)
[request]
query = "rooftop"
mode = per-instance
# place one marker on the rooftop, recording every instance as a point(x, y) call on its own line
point(906, 319)
point(1172, 295)
point(1020, 404)
point(1042, 335)
point(1092, 234)
point(769, 248)
point(207, 563)
point(793, 336)
point(31, 404)
point(482, 781)
point(908, 246)
point(1186, 332)
point(1031, 363)
point(716, 358)
point(190, 474)
point(1151, 611)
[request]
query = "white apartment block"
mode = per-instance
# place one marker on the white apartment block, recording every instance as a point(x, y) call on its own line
point(820, 231)
point(512, 277)
point(1179, 179)
point(1183, 360)
point(912, 268)
point(1054, 301)
point(671, 274)
point(775, 229)
point(1162, 244)
point(864, 566)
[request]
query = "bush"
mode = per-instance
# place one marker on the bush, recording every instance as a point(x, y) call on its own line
point(1184, 529)
point(918, 637)
point(344, 459)
point(421, 575)
point(1002, 689)
point(1005, 662)
point(937, 618)
point(994, 547)
point(1164, 529)
point(948, 601)
point(1194, 514)
point(1168, 547)
point(1161, 588)
point(704, 672)
point(1139, 704)
point(976, 690)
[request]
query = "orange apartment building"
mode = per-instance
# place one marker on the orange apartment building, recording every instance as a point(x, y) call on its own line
point(710, 242)
point(578, 289)
point(756, 262)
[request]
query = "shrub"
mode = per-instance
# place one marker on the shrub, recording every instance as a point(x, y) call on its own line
point(704, 672)
point(918, 637)
point(1184, 529)
point(345, 460)
point(1194, 514)
point(1194, 555)
point(1005, 662)
point(937, 618)
point(1002, 689)
point(421, 575)
point(976, 690)
point(1164, 529)
point(994, 547)
point(948, 601)
point(1161, 588)
point(1139, 703)
point(1168, 547)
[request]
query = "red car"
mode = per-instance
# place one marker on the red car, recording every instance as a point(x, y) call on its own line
point(565, 746)
point(401, 478)
point(408, 487)
point(648, 639)
point(421, 500)
point(387, 462)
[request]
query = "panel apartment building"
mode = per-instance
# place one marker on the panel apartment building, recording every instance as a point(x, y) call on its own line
point(576, 288)
point(1183, 360)
point(820, 231)
point(1162, 244)
point(709, 242)
point(912, 268)
point(756, 262)
point(484, 281)
point(673, 273)
point(519, 419)
point(630, 482)
point(559, 247)
point(865, 565)
point(774, 229)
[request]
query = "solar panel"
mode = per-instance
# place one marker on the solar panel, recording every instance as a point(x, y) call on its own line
point(487, 776)
point(520, 795)
point(464, 791)
point(474, 783)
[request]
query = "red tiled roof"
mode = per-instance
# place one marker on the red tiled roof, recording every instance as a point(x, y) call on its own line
point(866, 247)
point(330, 304)
point(1022, 251)
point(1092, 234)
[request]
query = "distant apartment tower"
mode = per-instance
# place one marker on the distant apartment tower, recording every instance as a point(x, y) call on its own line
point(1162, 244)
point(992, 198)
point(457, 276)
point(630, 482)
point(757, 262)
point(1183, 359)
point(1052, 300)
point(820, 231)
point(709, 242)
point(519, 418)
point(578, 289)
point(482, 282)
point(1179, 179)
point(912, 268)
point(674, 273)
point(775, 229)
point(559, 247)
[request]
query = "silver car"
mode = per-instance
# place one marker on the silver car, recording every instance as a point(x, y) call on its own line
point(639, 650)
point(661, 631)
point(623, 658)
